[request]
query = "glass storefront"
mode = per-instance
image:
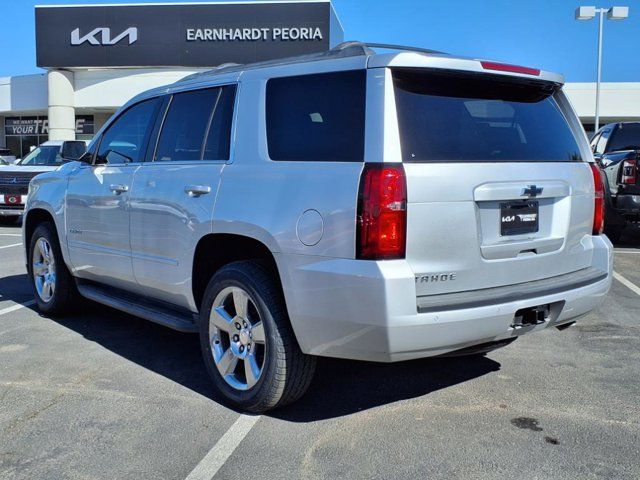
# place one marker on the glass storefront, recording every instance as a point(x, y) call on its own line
point(24, 133)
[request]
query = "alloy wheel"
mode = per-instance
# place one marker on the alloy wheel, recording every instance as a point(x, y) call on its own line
point(44, 269)
point(237, 338)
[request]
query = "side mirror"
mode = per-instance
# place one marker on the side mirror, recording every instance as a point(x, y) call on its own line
point(73, 149)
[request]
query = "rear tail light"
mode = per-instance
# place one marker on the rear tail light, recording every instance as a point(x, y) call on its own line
point(382, 212)
point(629, 171)
point(505, 67)
point(598, 211)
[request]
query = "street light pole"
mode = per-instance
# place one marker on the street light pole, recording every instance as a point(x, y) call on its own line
point(613, 13)
point(601, 11)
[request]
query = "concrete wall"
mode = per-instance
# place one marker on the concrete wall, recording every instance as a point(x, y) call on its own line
point(100, 88)
point(25, 93)
point(618, 101)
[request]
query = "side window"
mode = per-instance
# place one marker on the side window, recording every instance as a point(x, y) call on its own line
point(126, 138)
point(594, 142)
point(602, 141)
point(219, 135)
point(317, 117)
point(185, 125)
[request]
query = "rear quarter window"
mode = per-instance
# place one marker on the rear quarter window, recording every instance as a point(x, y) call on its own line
point(317, 117)
point(477, 118)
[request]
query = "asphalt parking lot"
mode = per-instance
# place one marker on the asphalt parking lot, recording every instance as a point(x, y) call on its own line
point(103, 395)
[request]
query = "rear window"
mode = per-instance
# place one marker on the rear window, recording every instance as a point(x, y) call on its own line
point(474, 118)
point(317, 117)
point(625, 137)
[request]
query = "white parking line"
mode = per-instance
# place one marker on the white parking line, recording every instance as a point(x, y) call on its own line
point(626, 250)
point(627, 283)
point(222, 450)
point(12, 245)
point(10, 234)
point(17, 307)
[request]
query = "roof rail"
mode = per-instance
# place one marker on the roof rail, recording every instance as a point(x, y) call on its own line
point(344, 49)
point(367, 46)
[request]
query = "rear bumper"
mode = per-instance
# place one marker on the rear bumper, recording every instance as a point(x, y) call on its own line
point(368, 310)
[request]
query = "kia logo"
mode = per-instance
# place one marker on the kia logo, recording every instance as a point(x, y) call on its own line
point(102, 36)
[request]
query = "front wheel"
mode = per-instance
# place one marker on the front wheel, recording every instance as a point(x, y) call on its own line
point(248, 346)
point(54, 287)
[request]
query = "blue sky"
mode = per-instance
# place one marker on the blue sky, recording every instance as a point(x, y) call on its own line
point(537, 33)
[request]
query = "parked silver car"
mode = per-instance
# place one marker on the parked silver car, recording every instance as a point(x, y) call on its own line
point(349, 204)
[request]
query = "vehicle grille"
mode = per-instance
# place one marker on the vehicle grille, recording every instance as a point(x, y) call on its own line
point(7, 179)
point(14, 189)
point(15, 183)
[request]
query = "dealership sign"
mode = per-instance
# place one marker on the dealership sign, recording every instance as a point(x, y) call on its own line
point(194, 35)
point(17, 126)
point(102, 36)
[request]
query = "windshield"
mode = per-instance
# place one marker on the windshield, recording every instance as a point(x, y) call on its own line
point(626, 137)
point(447, 117)
point(46, 156)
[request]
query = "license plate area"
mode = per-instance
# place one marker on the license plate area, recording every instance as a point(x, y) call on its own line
point(518, 218)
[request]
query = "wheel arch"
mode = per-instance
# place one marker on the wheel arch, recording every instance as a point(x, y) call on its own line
point(215, 250)
point(31, 220)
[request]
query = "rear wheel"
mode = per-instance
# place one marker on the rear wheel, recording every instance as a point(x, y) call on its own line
point(54, 288)
point(247, 342)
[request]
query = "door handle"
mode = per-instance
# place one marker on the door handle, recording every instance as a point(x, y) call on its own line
point(197, 190)
point(118, 188)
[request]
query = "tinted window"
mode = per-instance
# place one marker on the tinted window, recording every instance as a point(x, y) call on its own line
point(48, 156)
point(219, 135)
point(625, 137)
point(472, 118)
point(126, 139)
point(185, 125)
point(317, 117)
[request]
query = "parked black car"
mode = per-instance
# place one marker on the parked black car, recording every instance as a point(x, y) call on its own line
point(616, 148)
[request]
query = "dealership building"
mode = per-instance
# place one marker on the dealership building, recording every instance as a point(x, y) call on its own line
point(97, 57)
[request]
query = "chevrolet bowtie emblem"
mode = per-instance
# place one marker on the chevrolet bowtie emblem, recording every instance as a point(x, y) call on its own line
point(531, 191)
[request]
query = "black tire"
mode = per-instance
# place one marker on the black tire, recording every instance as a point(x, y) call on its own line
point(65, 296)
point(614, 232)
point(286, 371)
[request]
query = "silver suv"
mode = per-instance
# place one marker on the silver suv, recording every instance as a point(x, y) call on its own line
point(379, 207)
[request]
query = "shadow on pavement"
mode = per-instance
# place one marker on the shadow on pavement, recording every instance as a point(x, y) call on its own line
point(340, 387)
point(15, 288)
